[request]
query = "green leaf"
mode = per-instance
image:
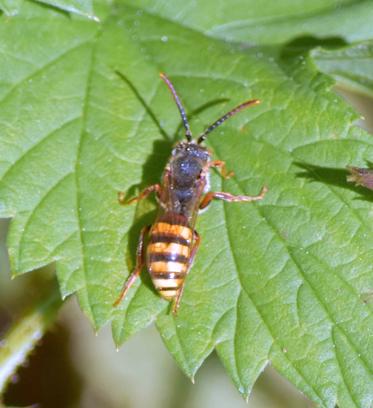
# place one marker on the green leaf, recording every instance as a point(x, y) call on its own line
point(276, 22)
point(352, 66)
point(83, 115)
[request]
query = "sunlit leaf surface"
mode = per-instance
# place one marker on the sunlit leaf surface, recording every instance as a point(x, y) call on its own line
point(83, 115)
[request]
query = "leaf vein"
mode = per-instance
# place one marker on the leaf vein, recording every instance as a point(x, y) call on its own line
point(42, 68)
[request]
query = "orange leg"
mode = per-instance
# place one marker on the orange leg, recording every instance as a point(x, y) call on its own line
point(230, 197)
point(197, 241)
point(140, 262)
point(142, 195)
point(222, 167)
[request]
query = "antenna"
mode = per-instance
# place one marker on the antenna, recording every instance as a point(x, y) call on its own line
point(184, 118)
point(221, 120)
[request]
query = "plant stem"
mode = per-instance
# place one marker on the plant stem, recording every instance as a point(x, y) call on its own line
point(24, 335)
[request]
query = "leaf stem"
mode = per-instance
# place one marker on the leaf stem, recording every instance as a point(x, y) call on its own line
point(24, 335)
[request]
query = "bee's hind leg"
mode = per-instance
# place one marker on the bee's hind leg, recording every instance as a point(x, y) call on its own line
point(140, 262)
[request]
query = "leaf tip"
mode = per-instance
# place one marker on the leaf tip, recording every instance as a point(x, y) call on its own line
point(94, 18)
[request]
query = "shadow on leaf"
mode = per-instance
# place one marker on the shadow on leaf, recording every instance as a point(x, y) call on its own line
point(302, 45)
point(332, 176)
point(145, 209)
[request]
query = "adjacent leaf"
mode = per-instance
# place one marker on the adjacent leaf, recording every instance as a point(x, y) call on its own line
point(83, 7)
point(276, 22)
point(10, 7)
point(84, 115)
point(351, 66)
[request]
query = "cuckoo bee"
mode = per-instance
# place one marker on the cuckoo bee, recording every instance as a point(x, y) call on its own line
point(168, 247)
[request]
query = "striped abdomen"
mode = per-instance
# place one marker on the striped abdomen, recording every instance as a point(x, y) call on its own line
point(168, 254)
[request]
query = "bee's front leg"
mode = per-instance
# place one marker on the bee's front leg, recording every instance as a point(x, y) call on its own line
point(219, 164)
point(153, 188)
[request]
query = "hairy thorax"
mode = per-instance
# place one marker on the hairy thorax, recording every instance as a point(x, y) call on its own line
point(187, 177)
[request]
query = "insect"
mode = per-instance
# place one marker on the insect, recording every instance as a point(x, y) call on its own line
point(169, 246)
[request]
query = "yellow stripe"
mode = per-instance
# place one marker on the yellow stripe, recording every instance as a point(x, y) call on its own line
point(167, 283)
point(171, 229)
point(161, 266)
point(168, 248)
point(168, 294)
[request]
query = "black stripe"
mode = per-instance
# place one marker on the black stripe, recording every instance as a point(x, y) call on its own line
point(167, 257)
point(169, 239)
point(168, 275)
point(167, 289)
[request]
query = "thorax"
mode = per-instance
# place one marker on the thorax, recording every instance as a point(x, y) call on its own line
point(185, 180)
